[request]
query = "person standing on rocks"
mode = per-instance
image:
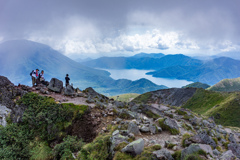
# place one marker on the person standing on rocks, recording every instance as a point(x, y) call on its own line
point(67, 80)
point(34, 76)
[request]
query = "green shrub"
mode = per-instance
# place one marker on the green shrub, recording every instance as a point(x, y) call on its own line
point(215, 139)
point(120, 146)
point(14, 142)
point(180, 112)
point(177, 155)
point(147, 152)
point(170, 145)
point(193, 157)
point(40, 150)
point(65, 149)
point(98, 149)
point(43, 121)
point(150, 114)
point(184, 137)
point(122, 156)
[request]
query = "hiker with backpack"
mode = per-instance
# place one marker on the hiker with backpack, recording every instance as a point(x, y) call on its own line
point(34, 75)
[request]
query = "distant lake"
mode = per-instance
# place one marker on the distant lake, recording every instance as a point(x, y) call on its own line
point(135, 74)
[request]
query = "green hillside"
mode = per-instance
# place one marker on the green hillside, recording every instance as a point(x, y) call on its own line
point(228, 85)
point(197, 85)
point(223, 106)
point(125, 97)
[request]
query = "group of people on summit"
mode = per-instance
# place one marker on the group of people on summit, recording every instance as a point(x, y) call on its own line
point(38, 78)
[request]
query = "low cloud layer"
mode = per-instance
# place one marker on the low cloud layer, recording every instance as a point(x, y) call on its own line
point(80, 28)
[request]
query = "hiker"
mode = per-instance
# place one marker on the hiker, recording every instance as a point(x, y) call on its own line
point(34, 76)
point(41, 77)
point(67, 80)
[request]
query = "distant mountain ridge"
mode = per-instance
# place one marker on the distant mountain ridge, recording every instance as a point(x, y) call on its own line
point(209, 72)
point(176, 66)
point(139, 62)
point(19, 57)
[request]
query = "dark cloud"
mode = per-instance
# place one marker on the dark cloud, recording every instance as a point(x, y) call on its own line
point(62, 23)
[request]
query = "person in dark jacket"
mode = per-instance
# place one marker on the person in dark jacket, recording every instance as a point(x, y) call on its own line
point(67, 80)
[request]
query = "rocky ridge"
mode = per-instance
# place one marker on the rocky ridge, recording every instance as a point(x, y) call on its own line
point(140, 129)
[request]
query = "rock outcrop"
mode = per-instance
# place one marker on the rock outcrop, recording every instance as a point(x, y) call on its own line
point(55, 85)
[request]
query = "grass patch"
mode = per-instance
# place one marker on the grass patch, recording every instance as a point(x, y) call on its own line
point(98, 149)
point(125, 97)
point(143, 98)
point(177, 155)
point(150, 114)
point(184, 137)
point(223, 106)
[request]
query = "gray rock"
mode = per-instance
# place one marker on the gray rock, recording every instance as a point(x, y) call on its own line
point(235, 148)
point(116, 139)
point(206, 139)
point(162, 154)
point(69, 90)
point(216, 152)
point(4, 112)
point(134, 148)
point(221, 130)
point(228, 155)
point(159, 129)
point(208, 124)
point(144, 129)
point(194, 148)
point(118, 120)
point(171, 123)
point(55, 85)
point(133, 128)
point(153, 129)
point(195, 121)
point(231, 138)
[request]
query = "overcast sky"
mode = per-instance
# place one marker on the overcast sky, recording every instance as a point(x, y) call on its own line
point(93, 28)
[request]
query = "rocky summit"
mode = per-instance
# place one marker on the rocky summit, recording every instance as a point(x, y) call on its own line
point(54, 122)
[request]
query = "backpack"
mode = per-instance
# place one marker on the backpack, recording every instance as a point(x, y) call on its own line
point(31, 72)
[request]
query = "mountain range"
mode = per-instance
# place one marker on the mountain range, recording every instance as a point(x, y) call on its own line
point(176, 66)
point(19, 57)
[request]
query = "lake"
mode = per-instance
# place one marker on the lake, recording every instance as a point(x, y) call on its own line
point(135, 74)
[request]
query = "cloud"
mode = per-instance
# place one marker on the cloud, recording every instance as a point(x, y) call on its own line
point(91, 28)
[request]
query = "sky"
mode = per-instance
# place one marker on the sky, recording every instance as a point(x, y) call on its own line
point(95, 28)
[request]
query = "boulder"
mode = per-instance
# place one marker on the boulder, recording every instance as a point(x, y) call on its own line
point(144, 129)
point(194, 148)
point(55, 85)
point(133, 128)
point(153, 129)
point(206, 139)
point(231, 138)
point(116, 139)
point(4, 81)
point(4, 112)
point(235, 148)
point(69, 90)
point(134, 148)
point(195, 121)
point(228, 155)
point(172, 125)
point(162, 154)
point(208, 124)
